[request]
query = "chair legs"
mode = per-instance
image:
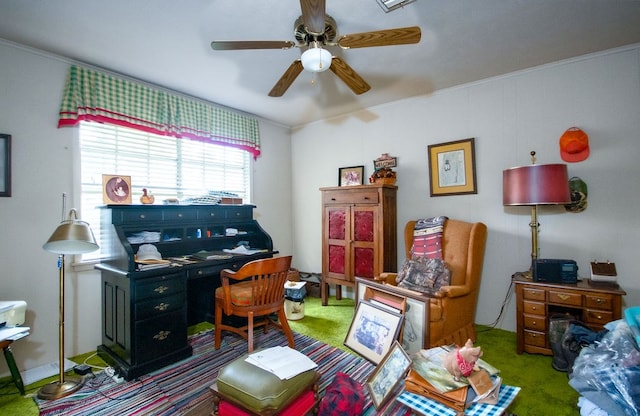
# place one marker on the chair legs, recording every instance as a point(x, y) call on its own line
point(283, 324)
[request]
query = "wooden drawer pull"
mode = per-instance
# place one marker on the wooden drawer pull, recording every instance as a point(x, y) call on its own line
point(161, 289)
point(161, 306)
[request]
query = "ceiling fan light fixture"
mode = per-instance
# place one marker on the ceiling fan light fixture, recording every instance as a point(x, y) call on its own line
point(316, 59)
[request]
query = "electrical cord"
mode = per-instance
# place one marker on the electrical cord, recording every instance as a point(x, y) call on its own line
point(505, 302)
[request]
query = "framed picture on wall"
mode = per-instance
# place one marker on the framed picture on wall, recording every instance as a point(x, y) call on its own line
point(5, 165)
point(452, 168)
point(353, 175)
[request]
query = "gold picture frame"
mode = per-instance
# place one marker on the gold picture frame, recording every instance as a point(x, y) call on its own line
point(350, 176)
point(116, 189)
point(388, 374)
point(452, 168)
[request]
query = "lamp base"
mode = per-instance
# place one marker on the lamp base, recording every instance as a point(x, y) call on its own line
point(57, 390)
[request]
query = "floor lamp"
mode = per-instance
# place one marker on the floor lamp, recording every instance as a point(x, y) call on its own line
point(535, 185)
point(71, 237)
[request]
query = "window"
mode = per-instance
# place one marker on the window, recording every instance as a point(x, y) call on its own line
point(167, 167)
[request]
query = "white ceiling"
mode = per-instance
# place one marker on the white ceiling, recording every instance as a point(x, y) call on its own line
point(166, 42)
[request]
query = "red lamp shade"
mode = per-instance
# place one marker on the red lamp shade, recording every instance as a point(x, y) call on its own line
point(536, 185)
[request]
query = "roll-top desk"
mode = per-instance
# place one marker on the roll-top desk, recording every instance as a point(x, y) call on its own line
point(145, 313)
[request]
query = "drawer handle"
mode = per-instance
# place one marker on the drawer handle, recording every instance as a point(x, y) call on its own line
point(162, 335)
point(563, 296)
point(366, 198)
point(212, 214)
point(599, 301)
point(162, 306)
point(333, 199)
point(534, 308)
point(179, 215)
point(142, 216)
point(161, 289)
point(237, 214)
point(534, 322)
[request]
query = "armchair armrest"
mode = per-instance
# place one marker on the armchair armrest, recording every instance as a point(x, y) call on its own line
point(453, 291)
point(386, 277)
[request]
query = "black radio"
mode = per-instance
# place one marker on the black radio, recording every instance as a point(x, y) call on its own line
point(555, 271)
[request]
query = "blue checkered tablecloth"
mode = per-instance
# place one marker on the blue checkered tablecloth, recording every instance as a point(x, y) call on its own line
point(430, 407)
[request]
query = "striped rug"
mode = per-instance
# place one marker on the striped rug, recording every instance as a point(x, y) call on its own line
point(181, 387)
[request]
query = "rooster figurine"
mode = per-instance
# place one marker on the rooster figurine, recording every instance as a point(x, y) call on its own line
point(146, 198)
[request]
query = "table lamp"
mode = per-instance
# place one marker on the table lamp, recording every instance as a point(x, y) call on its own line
point(535, 185)
point(71, 237)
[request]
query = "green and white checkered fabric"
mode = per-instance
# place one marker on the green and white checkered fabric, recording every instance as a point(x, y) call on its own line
point(94, 96)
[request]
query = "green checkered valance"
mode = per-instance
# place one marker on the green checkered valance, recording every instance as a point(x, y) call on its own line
point(95, 96)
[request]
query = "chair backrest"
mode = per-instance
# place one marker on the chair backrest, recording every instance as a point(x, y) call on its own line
point(462, 243)
point(267, 278)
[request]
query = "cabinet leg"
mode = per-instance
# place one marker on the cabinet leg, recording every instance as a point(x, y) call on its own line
point(324, 289)
point(338, 292)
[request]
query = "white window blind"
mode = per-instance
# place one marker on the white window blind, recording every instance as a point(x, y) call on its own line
point(167, 167)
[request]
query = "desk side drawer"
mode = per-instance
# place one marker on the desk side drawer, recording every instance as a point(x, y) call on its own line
point(157, 306)
point(534, 308)
point(533, 294)
point(535, 322)
point(598, 317)
point(535, 338)
point(159, 286)
point(599, 301)
point(565, 298)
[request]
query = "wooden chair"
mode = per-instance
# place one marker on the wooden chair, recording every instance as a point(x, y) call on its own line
point(452, 310)
point(258, 293)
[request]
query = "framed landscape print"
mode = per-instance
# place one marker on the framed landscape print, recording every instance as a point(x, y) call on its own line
point(388, 375)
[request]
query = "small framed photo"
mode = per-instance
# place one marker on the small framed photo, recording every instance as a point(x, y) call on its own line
point(353, 175)
point(452, 168)
point(5, 165)
point(116, 189)
point(373, 331)
point(388, 374)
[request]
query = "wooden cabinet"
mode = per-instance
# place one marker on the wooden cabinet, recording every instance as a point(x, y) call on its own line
point(145, 313)
point(536, 302)
point(359, 237)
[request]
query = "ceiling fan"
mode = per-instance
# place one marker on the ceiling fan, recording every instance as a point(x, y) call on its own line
point(314, 30)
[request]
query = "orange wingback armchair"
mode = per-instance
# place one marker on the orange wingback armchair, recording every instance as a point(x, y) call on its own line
point(453, 308)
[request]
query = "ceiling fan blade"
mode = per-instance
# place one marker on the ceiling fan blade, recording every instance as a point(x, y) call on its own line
point(229, 45)
point(286, 79)
point(313, 12)
point(354, 81)
point(398, 36)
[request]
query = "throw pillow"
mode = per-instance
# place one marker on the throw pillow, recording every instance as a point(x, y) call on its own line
point(343, 397)
point(423, 274)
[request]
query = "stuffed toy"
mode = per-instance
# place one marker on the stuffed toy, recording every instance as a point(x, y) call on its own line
point(462, 361)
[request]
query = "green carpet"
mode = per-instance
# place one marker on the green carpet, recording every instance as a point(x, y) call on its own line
point(544, 390)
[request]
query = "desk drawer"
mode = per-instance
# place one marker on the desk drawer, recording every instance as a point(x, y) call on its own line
point(535, 338)
point(157, 337)
point(598, 317)
point(565, 298)
point(534, 308)
point(538, 323)
point(533, 294)
point(157, 306)
point(599, 301)
point(160, 286)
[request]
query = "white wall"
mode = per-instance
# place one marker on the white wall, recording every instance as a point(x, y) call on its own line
point(31, 87)
point(508, 116)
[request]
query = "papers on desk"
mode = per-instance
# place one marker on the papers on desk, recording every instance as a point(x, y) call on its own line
point(14, 333)
point(284, 362)
point(243, 250)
